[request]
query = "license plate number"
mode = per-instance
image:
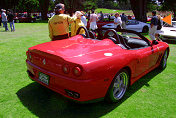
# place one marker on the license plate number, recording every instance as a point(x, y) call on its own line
point(44, 78)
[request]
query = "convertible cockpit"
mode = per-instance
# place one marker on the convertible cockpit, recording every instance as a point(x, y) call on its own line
point(126, 39)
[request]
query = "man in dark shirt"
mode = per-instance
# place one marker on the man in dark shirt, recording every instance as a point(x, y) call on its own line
point(153, 25)
point(101, 16)
point(124, 20)
point(11, 21)
point(0, 19)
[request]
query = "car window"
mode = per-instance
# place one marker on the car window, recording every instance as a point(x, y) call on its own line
point(136, 22)
point(132, 22)
point(168, 25)
point(174, 23)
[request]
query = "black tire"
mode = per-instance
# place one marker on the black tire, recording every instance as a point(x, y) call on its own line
point(163, 62)
point(145, 29)
point(118, 86)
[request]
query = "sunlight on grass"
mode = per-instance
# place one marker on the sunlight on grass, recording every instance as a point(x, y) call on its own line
point(128, 12)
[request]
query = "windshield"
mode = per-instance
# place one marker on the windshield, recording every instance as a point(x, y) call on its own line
point(173, 24)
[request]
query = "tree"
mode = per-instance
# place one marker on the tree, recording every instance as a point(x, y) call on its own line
point(139, 8)
point(168, 5)
point(44, 5)
point(8, 4)
point(28, 6)
point(152, 5)
point(89, 5)
point(72, 5)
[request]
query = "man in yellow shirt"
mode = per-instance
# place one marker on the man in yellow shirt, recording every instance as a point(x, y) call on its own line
point(76, 24)
point(59, 24)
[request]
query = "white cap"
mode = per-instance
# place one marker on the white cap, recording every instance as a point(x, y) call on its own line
point(78, 13)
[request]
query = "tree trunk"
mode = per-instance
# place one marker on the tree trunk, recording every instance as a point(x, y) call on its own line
point(44, 5)
point(139, 8)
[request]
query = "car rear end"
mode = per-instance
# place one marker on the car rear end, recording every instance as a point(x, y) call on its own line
point(61, 76)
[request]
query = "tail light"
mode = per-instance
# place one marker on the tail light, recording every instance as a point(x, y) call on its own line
point(66, 69)
point(28, 54)
point(77, 71)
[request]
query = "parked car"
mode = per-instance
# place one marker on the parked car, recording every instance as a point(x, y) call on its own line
point(131, 25)
point(101, 23)
point(168, 32)
point(83, 69)
point(24, 18)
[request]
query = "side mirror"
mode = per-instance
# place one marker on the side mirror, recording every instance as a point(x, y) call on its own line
point(154, 42)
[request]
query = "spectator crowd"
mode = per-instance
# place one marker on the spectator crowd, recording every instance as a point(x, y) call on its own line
point(59, 22)
point(5, 18)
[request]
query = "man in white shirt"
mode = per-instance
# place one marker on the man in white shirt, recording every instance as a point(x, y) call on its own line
point(83, 19)
point(4, 19)
point(117, 21)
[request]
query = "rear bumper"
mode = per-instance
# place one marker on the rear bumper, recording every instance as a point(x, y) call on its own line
point(87, 89)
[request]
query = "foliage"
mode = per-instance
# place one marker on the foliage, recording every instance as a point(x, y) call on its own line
point(90, 4)
point(28, 5)
point(151, 6)
point(51, 5)
point(111, 4)
point(71, 5)
point(44, 5)
point(8, 4)
point(168, 5)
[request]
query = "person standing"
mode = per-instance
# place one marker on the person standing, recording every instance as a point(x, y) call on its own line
point(11, 21)
point(117, 21)
point(0, 19)
point(159, 26)
point(83, 19)
point(153, 25)
point(59, 24)
point(124, 20)
point(101, 16)
point(93, 20)
point(76, 24)
point(4, 19)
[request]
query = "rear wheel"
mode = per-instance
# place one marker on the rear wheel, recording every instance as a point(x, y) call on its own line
point(118, 86)
point(163, 62)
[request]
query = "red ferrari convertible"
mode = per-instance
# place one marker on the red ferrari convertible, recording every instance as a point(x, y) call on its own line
point(83, 68)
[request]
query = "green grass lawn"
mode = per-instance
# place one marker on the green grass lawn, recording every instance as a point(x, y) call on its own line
point(154, 95)
point(128, 12)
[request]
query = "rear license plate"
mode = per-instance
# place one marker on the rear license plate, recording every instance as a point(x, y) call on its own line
point(44, 78)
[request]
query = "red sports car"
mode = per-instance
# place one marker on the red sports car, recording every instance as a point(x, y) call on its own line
point(82, 68)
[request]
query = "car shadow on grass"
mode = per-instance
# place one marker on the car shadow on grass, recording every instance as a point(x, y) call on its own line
point(45, 103)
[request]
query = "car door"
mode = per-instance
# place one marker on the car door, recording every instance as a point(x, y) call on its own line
point(154, 57)
point(147, 58)
point(143, 60)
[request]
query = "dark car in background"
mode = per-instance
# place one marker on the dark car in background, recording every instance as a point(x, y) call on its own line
point(23, 17)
